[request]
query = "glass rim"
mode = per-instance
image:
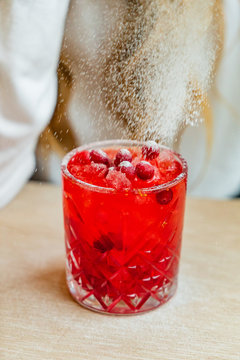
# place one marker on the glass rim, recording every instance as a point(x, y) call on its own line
point(114, 143)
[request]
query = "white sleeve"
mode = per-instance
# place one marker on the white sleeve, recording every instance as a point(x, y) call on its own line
point(30, 40)
point(221, 177)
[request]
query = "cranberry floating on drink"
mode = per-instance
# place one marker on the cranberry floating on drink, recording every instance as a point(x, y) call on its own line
point(123, 204)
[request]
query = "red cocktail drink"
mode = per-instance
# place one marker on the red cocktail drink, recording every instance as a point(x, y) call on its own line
point(123, 216)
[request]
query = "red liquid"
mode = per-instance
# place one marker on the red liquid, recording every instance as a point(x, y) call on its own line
point(123, 245)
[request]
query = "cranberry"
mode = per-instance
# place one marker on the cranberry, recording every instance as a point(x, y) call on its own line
point(164, 197)
point(82, 157)
point(150, 150)
point(127, 168)
point(122, 155)
point(99, 157)
point(103, 244)
point(144, 170)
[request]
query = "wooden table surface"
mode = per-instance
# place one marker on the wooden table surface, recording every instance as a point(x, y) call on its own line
point(39, 319)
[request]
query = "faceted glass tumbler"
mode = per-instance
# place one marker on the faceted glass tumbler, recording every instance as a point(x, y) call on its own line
point(122, 247)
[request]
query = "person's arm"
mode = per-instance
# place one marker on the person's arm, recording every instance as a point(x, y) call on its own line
point(30, 42)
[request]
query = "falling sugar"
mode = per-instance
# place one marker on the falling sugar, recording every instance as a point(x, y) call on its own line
point(140, 68)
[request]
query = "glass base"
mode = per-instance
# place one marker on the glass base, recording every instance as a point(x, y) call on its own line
point(121, 305)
